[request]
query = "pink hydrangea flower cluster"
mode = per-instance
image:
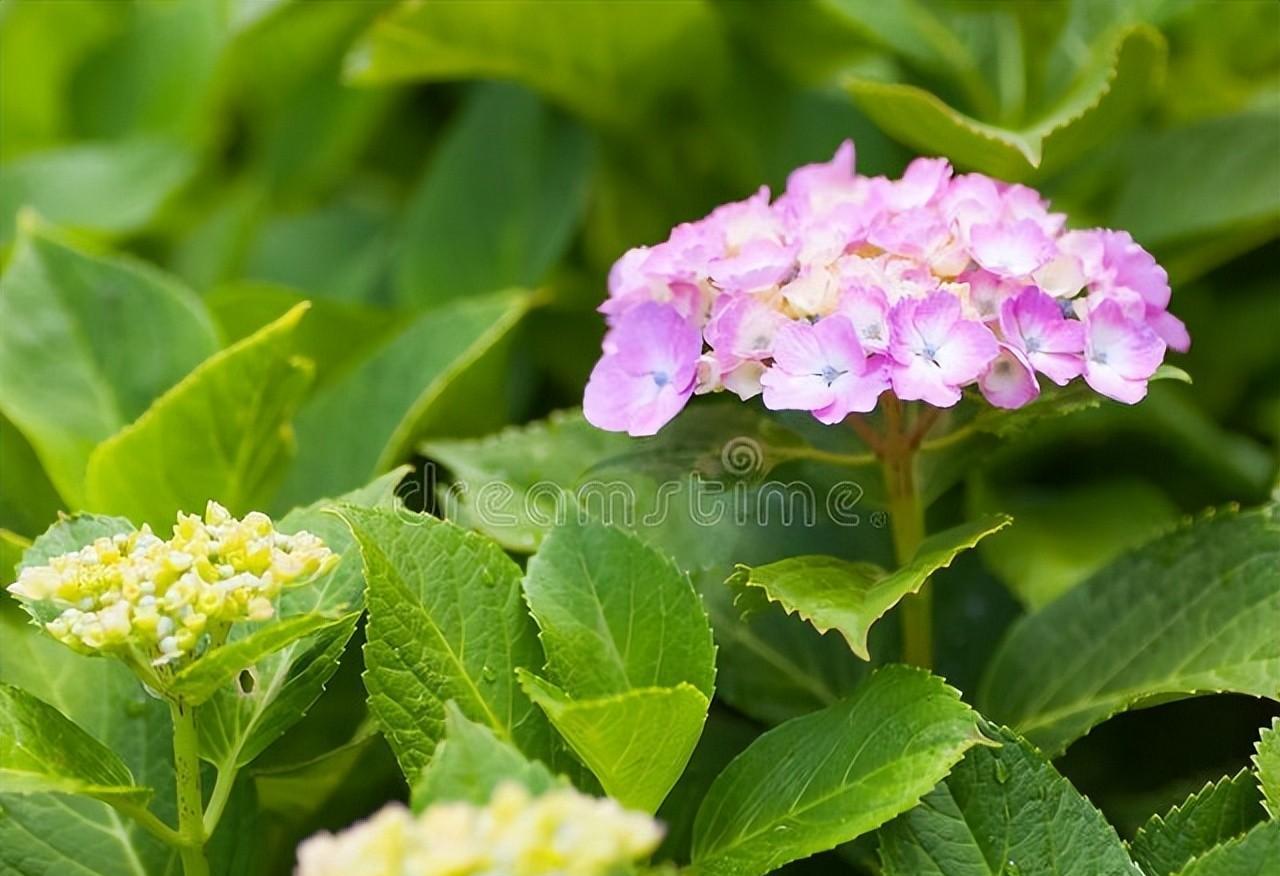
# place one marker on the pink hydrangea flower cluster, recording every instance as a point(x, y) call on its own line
point(847, 287)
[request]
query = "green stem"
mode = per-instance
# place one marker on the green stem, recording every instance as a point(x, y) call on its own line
point(148, 821)
point(906, 521)
point(186, 763)
point(218, 798)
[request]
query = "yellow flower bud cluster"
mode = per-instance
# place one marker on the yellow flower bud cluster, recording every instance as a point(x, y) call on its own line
point(561, 833)
point(164, 599)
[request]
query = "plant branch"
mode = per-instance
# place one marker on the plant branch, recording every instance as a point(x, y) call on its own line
point(218, 798)
point(186, 763)
point(147, 820)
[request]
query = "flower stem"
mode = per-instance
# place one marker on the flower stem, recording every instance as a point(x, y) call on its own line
point(186, 762)
point(906, 521)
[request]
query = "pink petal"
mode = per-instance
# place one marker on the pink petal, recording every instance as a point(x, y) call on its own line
point(868, 309)
point(840, 347)
point(1125, 346)
point(797, 350)
point(1009, 381)
point(1171, 330)
point(784, 391)
point(967, 351)
point(618, 401)
point(1011, 250)
point(758, 265)
point(1106, 381)
point(921, 380)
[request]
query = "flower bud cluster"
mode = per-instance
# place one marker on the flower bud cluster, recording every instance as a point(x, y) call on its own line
point(165, 599)
point(562, 832)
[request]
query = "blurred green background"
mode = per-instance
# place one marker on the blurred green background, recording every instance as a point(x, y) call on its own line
point(386, 160)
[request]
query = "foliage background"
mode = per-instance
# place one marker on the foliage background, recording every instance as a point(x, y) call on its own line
point(388, 160)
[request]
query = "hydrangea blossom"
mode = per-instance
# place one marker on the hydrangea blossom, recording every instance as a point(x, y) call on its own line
point(847, 286)
point(163, 599)
point(561, 833)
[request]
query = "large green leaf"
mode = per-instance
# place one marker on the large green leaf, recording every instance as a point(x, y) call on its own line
point(606, 61)
point(821, 780)
point(223, 433)
point(441, 373)
point(1254, 854)
point(1004, 811)
point(629, 654)
point(236, 724)
point(471, 762)
point(12, 547)
point(28, 501)
point(42, 750)
point(831, 593)
point(1267, 760)
point(446, 622)
point(1214, 815)
point(86, 343)
point(1105, 96)
point(1194, 612)
point(115, 188)
point(486, 216)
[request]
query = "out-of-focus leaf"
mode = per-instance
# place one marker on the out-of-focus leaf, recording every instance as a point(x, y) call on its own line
point(488, 216)
point(441, 373)
point(1065, 535)
point(630, 658)
point(823, 779)
point(223, 433)
point(1267, 761)
point(237, 725)
point(86, 343)
point(1106, 95)
point(607, 61)
point(1193, 612)
point(1004, 810)
point(40, 46)
point(1214, 815)
point(446, 622)
point(831, 593)
point(28, 502)
point(41, 750)
point(12, 547)
point(471, 762)
point(335, 334)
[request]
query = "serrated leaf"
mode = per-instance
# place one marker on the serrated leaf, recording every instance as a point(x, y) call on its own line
point(446, 622)
point(86, 343)
point(1214, 815)
point(817, 781)
point(431, 375)
point(630, 657)
point(1254, 854)
point(222, 433)
point(831, 593)
point(1105, 95)
point(41, 750)
point(235, 726)
point(1267, 762)
point(1193, 612)
point(202, 679)
point(636, 743)
point(607, 62)
point(1003, 811)
point(462, 238)
point(471, 762)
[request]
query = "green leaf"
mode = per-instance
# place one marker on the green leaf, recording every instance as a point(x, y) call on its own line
point(446, 622)
point(486, 216)
point(12, 547)
point(1191, 613)
point(471, 762)
point(1004, 810)
point(1267, 762)
point(235, 725)
point(1253, 854)
point(1214, 815)
point(86, 343)
point(202, 679)
point(607, 61)
point(831, 593)
point(42, 750)
point(113, 188)
point(427, 378)
point(28, 501)
point(629, 654)
point(70, 534)
point(223, 433)
point(1106, 95)
point(636, 743)
point(823, 779)
point(1066, 534)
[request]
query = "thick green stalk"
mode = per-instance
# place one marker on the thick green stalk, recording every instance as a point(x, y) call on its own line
point(186, 763)
point(906, 522)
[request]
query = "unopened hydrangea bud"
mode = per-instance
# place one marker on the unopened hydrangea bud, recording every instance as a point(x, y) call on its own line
point(561, 833)
point(163, 600)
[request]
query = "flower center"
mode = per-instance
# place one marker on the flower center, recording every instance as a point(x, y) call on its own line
point(830, 374)
point(661, 378)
